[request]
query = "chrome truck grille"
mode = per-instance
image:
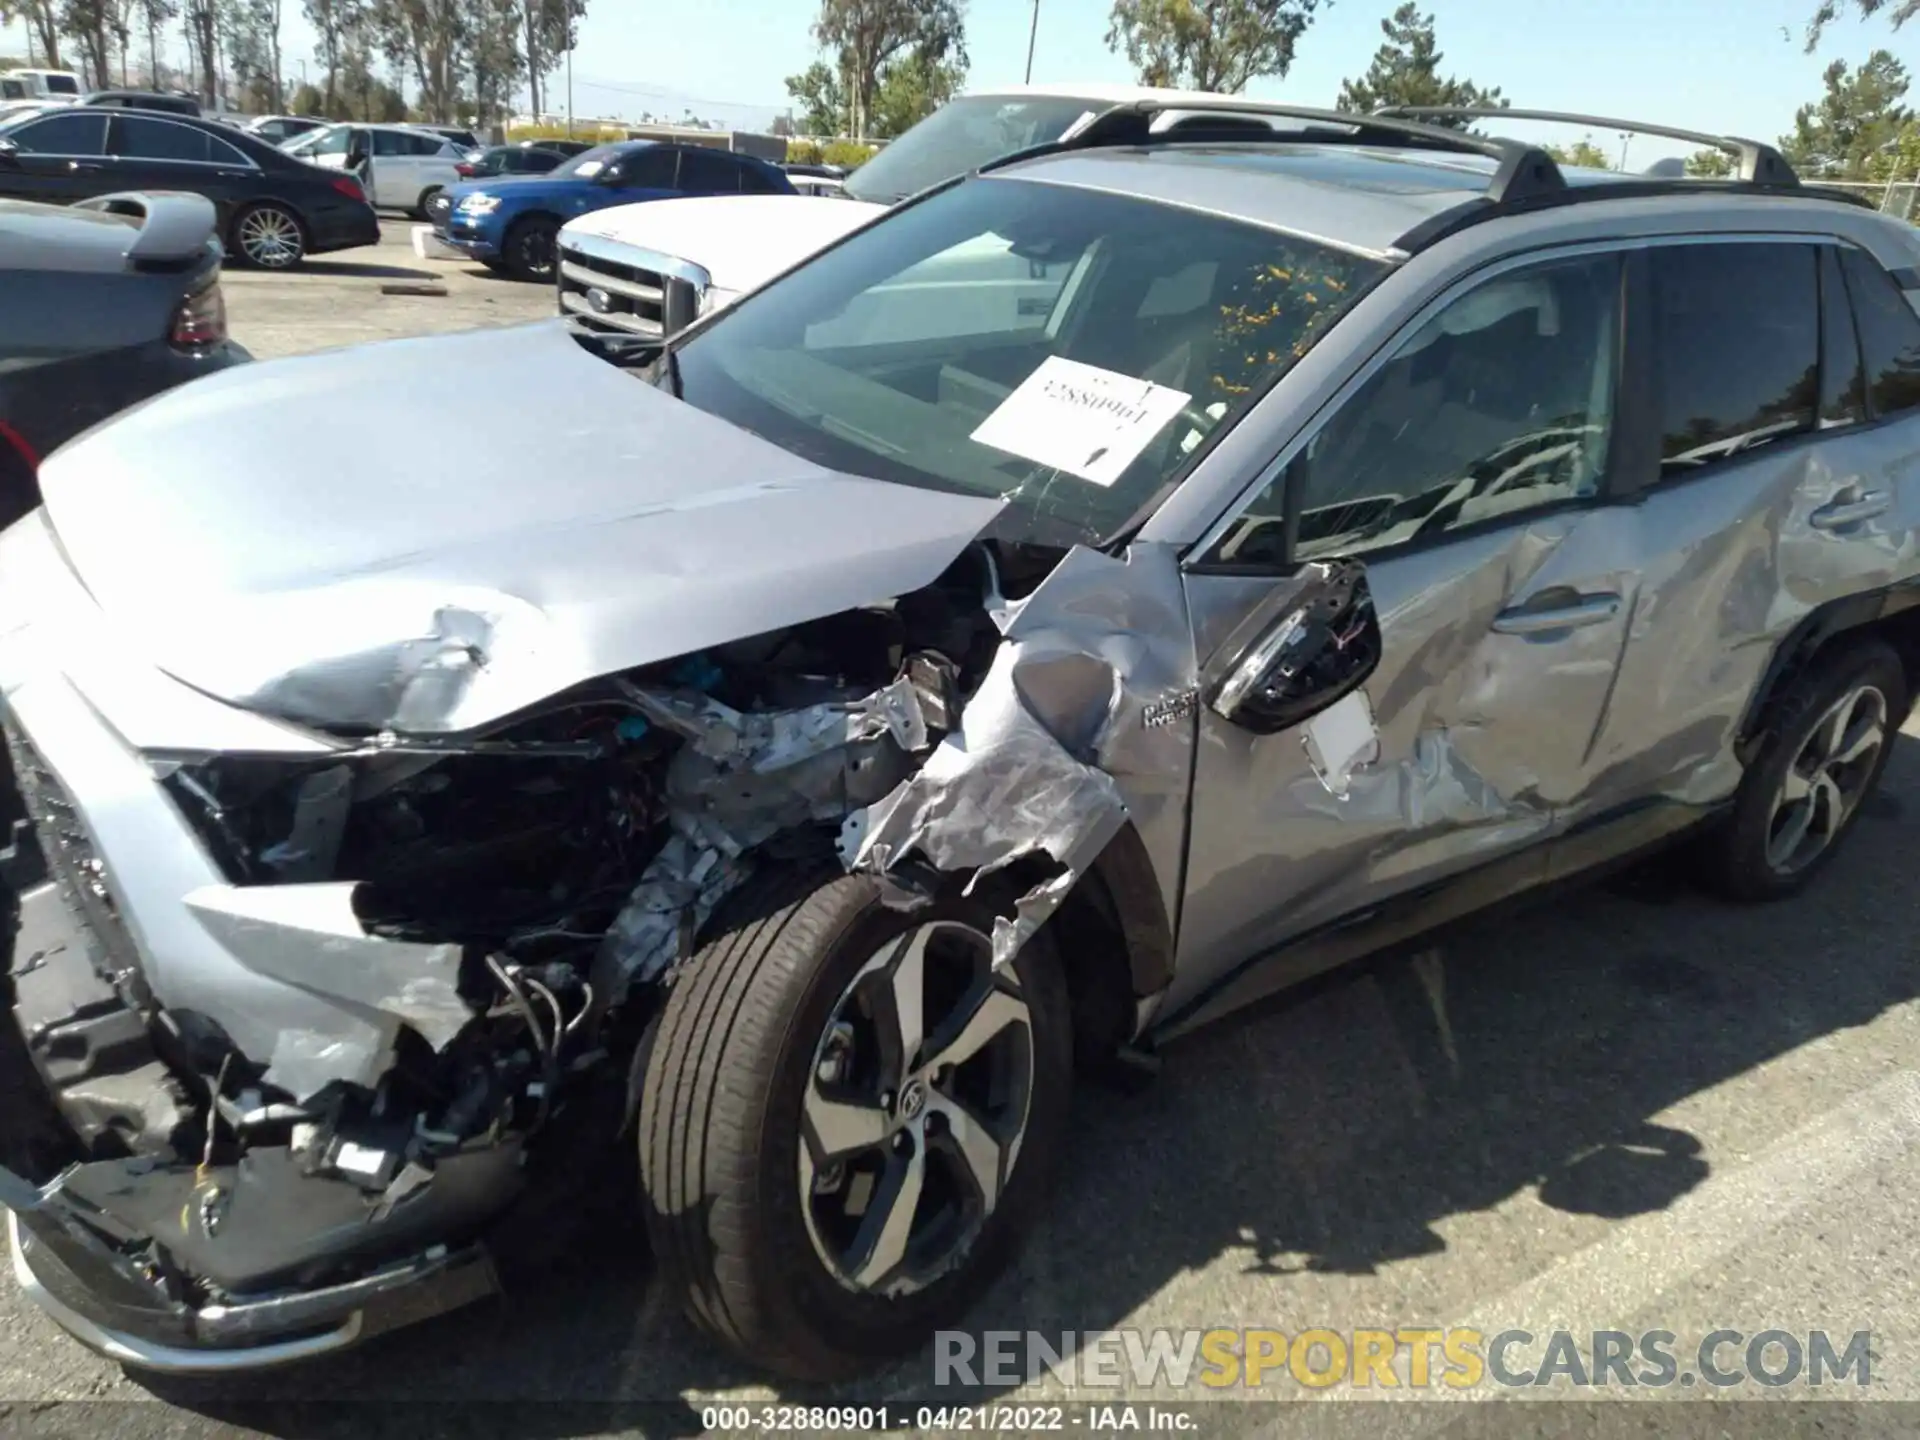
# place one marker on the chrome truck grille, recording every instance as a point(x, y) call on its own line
point(612, 286)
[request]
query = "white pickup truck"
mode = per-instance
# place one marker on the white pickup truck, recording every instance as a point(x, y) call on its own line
point(653, 267)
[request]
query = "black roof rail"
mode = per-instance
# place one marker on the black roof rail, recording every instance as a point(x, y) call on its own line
point(1758, 162)
point(1525, 172)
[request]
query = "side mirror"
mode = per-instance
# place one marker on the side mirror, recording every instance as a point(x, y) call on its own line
point(1310, 644)
point(9, 152)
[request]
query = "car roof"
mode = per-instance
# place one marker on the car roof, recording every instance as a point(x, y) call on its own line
point(1103, 94)
point(1363, 199)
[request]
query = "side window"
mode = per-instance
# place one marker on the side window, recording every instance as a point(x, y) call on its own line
point(702, 172)
point(1889, 334)
point(649, 169)
point(1736, 332)
point(138, 137)
point(425, 144)
point(1499, 404)
point(331, 142)
point(387, 143)
point(71, 134)
point(1843, 383)
point(755, 181)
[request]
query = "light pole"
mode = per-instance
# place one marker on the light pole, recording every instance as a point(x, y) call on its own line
point(1626, 139)
point(569, 79)
point(1033, 34)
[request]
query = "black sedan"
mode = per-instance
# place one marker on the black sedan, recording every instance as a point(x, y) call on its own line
point(273, 209)
point(105, 303)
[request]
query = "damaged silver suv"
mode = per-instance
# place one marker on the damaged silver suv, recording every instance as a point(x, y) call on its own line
point(820, 736)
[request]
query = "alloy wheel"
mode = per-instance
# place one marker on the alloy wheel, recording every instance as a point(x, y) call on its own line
point(1827, 779)
point(270, 238)
point(533, 252)
point(914, 1111)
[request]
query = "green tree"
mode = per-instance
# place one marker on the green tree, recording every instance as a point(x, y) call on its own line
point(307, 100)
point(911, 89)
point(1710, 164)
point(1896, 11)
point(1208, 44)
point(1582, 152)
point(1837, 137)
point(1406, 71)
point(866, 37)
point(821, 98)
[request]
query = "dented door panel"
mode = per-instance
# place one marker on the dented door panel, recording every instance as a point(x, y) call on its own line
point(1485, 742)
point(1730, 563)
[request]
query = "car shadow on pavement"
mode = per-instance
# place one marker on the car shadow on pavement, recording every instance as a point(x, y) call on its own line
point(362, 270)
point(1331, 1133)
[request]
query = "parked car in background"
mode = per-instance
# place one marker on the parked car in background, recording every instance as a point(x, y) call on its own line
point(509, 223)
point(817, 179)
point(732, 246)
point(400, 166)
point(278, 129)
point(569, 148)
point(151, 100)
point(526, 158)
point(462, 137)
point(60, 86)
point(273, 209)
point(104, 303)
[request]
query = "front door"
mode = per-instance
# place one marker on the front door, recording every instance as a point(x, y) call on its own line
point(59, 158)
point(1462, 471)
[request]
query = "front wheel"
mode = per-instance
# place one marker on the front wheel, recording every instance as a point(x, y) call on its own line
point(268, 237)
point(1832, 732)
point(848, 1119)
point(424, 207)
point(529, 248)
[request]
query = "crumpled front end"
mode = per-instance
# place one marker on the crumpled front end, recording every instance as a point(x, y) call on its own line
point(312, 1010)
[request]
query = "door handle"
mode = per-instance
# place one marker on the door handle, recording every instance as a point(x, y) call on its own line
point(1842, 513)
point(1579, 610)
point(77, 165)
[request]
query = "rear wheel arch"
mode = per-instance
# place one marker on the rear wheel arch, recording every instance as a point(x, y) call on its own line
point(1891, 615)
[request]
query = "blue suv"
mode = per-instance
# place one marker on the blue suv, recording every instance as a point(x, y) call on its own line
point(508, 223)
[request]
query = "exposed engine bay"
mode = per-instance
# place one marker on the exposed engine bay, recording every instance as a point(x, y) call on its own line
point(517, 900)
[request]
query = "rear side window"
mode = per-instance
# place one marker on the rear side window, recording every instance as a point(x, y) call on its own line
point(138, 138)
point(704, 173)
point(425, 144)
point(755, 181)
point(1843, 383)
point(1889, 335)
point(1737, 346)
point(69, 134)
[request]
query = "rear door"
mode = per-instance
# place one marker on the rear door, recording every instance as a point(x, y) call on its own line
point(708, 172)
point(169, 155)
point(1464, 467)
point(59, 158)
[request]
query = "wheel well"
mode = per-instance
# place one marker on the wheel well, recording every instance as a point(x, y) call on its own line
point(1116, 943)
point(1890, 616)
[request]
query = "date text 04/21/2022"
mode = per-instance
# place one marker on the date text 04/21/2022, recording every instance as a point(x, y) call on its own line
point(994, 1419)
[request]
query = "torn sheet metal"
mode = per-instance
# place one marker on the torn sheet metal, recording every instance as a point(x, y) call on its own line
point(741, 778)
point(1060, 736)
point(309, 936)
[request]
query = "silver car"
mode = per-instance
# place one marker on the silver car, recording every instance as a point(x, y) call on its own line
point(796, 751)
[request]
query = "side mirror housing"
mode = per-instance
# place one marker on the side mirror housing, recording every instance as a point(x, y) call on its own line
point(1309, 645)
point(9, 152)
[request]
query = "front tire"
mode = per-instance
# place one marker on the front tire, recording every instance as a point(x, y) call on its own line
point(421, 207)
point(1832, 732)
point(848, 1120)
point(529, 248)
point(268, 236)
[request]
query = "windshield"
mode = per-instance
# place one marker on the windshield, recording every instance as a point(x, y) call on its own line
point(588, 163)
point(960, 137)
point(62, 85)
point(1069, 349)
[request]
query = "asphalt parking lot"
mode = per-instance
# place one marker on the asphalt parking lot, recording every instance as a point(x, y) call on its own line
point(1632, 1109)
point(344, 299)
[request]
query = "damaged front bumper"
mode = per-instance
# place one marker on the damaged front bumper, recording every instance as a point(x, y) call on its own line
point(115, 1310)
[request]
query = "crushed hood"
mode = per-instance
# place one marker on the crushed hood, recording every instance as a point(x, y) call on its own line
point(742, 241)
point(431, 535)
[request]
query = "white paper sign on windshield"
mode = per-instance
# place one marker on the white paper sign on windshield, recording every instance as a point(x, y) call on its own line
point(1081, 419)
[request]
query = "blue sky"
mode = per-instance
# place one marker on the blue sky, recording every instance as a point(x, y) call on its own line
point(1729, 65)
